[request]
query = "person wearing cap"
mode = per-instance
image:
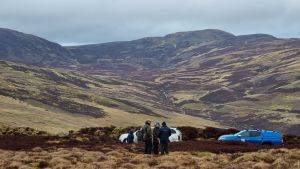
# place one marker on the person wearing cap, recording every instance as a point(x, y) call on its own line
point(164, 134)
point(147, 137)
point(155, 138)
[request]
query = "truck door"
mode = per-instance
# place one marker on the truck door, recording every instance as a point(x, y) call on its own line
point(254, 137)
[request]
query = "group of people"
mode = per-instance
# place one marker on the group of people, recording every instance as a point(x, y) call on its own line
point(155, 139)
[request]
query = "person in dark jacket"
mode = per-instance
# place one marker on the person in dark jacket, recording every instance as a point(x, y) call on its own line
point(155, 138)
point(147, 137)
point(130, 137)
point(164, 134)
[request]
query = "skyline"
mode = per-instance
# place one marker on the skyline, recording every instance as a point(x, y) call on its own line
point(70, 22)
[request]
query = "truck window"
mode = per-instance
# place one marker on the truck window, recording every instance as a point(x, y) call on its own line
point(254, 134)
point(244, 134)
point(173, 131)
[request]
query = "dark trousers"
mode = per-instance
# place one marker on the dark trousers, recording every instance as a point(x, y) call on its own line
point(164, 147)
point(148, 146)
point(155, 146)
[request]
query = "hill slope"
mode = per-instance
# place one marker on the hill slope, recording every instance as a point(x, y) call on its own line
point(242, 81)
point(239, 81)
point(249, 84)
point(151, 52)
point(30, 49)
point(59, 100)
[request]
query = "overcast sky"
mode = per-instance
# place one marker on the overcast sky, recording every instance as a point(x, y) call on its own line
point(91, 21)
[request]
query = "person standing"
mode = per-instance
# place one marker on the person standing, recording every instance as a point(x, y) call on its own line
point(130, 137)
point(147, 137)
point(155, 138)
point(164, 134)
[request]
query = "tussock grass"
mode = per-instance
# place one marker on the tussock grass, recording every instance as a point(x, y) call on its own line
point(121, 158)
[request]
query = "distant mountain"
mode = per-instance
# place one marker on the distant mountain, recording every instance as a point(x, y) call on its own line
point(159, 52)
point(145, 53)
point(239, 81)
point(30, 49)
point(151, 52)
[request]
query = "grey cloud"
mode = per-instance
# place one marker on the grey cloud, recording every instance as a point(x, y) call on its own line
point(93, 21)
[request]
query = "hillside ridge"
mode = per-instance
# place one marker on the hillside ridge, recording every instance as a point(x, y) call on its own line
point(210, 76)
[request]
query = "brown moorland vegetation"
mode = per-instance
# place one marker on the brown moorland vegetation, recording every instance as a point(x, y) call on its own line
point(98, 148)
point(118, 157)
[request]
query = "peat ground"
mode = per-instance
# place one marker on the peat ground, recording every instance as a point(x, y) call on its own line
point(27, 143)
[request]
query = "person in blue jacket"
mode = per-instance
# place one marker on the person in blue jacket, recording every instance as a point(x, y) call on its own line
point(164, 134)
point(130, 137)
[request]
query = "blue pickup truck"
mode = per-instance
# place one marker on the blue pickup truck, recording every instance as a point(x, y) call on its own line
point(263, 137)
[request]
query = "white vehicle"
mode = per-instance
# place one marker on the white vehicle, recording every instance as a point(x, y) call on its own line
point(176, 136)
